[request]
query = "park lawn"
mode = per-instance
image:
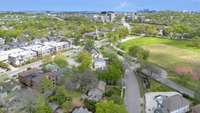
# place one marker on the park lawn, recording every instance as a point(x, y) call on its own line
point(146, 41)
point(171, 57)
point(170, 54)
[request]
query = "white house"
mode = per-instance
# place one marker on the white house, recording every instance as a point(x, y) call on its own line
point(99, 64)
point(98, 61)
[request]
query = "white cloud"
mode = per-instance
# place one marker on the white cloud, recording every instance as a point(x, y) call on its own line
point(123, 4)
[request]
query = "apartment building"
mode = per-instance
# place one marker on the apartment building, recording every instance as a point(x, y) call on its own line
point(17, 59)
point(41, 50)
point(58, 46)
point(4, 54)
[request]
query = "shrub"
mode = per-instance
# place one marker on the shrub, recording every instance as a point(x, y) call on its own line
point(4, 65)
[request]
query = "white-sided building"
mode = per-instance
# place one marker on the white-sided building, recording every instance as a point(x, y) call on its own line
point(166, 102)
point(41, 50)
point(98, 62)
point(17, 59)
point(59, 46)
point(4, 54)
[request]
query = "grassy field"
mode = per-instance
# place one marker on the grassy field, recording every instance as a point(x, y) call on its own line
point(178, 57)
point(146, 41)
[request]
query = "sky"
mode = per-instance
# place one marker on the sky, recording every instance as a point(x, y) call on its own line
point(98, 5)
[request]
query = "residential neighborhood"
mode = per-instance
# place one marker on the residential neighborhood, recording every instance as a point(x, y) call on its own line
point(108, 57)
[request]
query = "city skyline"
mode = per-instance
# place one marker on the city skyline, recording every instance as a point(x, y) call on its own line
point(103, 5)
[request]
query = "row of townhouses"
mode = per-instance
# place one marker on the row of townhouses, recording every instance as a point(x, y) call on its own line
point(19, 56)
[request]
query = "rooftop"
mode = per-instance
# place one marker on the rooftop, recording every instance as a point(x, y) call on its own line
point(4, 54)
point(151, 104)
point(175, 102)
point(81, 110)
point(22, 53)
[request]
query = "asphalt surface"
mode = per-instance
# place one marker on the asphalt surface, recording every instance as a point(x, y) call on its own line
point(162, 78)
point(132, 92)
point(24, 68)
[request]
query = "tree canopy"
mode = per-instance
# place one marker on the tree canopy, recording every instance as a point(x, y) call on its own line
point(42, 106)
point(85, 59)
point(139, 52)
point(109, 107)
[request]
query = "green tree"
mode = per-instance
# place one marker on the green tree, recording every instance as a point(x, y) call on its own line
point(109, 107)
point(123, 32)
point(4, 65)
point(89, 44)
point(85, 59)
point(113, 36)
point(67, 106)
point(60, 96)
point(118, 34)
point(114, 70)
point(47, 59)
point(147, 29)
point(178, 30)
point(139, 52)
point(60, 60)
point(45, 85)
point(42, 106)
point(90, 105)
point(196, 42)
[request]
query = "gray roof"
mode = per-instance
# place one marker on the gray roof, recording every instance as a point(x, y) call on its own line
point(97, 93)
point(196, 109)
point(175, 102)
point(101, 86)
point(81, 110)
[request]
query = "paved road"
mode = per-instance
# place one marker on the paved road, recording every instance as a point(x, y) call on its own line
point(164, 80)
point(177, 87)
point(132, 92)
point(23, 68)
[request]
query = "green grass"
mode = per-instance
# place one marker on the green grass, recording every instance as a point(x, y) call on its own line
point(146, 41)
point(185, 81)
point(170, 54)
point(157, 87)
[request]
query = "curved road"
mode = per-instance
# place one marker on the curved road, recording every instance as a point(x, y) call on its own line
point(132, 92)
